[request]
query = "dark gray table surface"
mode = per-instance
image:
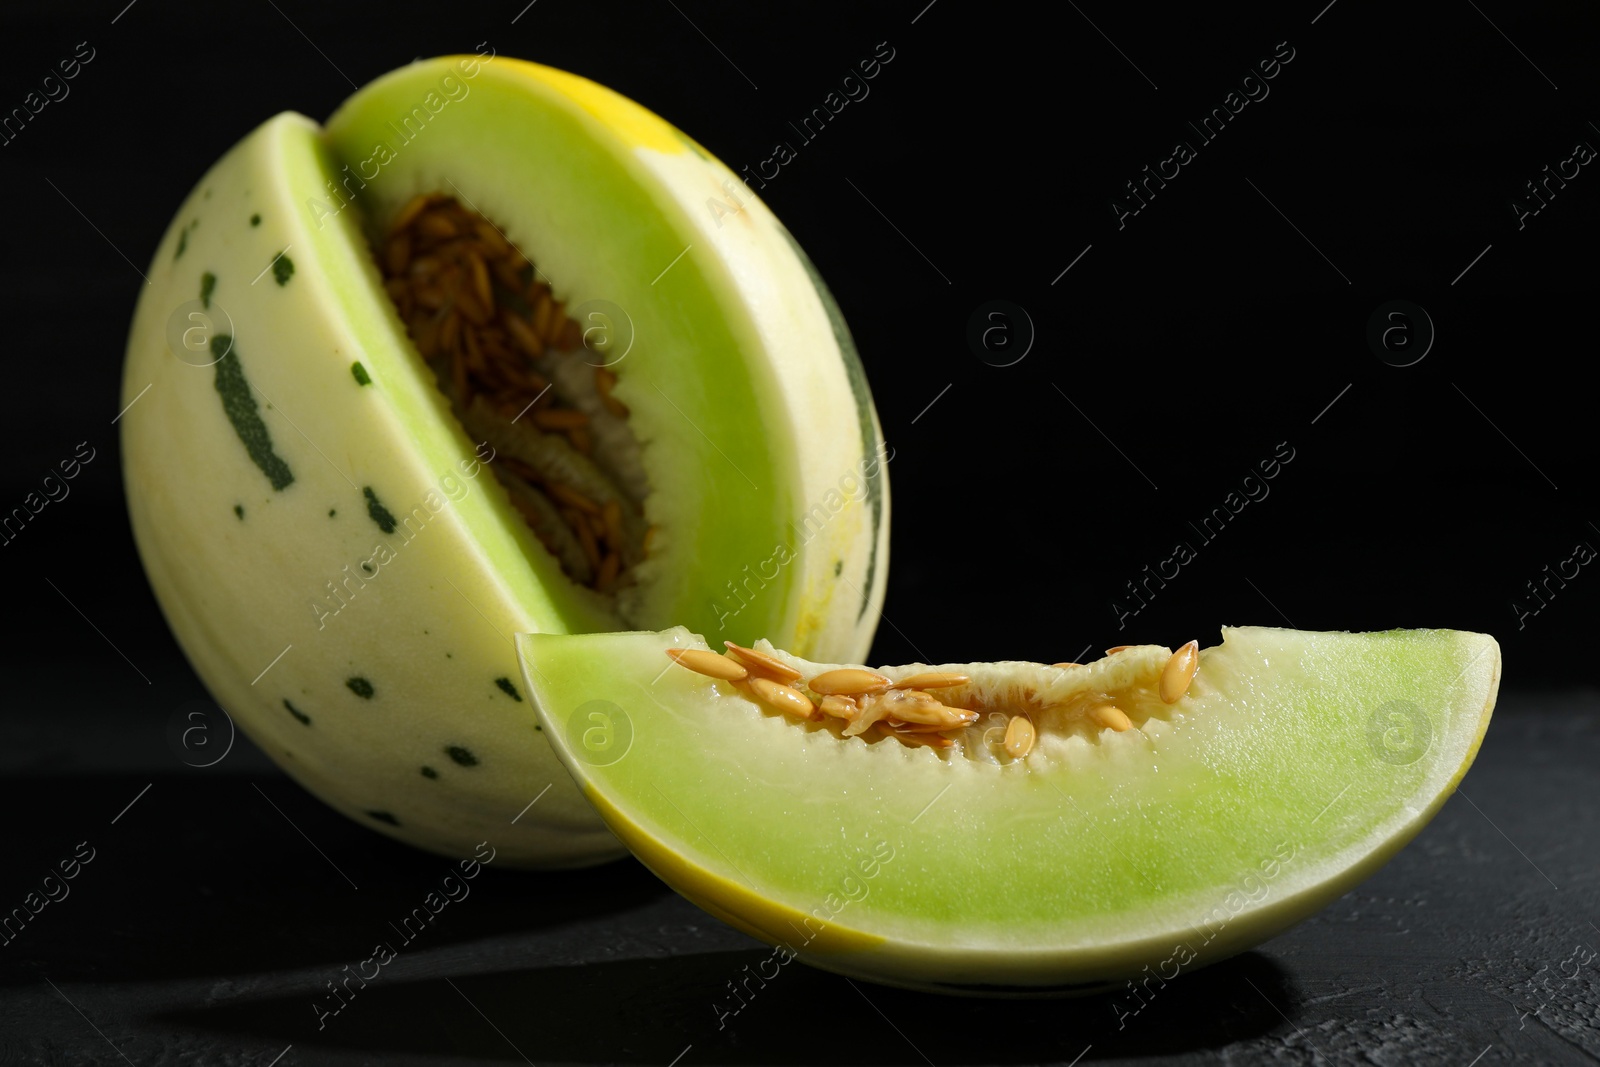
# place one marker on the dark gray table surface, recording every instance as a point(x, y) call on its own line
point(219, 905)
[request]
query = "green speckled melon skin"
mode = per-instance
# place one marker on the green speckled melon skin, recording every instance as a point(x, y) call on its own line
point(344, 573)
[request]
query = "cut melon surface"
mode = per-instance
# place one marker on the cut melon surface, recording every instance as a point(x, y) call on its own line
point(1295, 764)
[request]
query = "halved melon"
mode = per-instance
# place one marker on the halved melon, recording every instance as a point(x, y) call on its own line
point(329, 539)
point(1146, 841)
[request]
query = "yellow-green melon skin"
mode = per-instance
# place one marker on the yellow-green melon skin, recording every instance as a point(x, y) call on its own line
point(344, 573)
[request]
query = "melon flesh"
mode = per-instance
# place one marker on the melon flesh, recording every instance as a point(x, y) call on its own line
point(1296, 764)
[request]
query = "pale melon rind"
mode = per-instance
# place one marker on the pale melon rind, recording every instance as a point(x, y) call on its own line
point(1273, 787)
point(393, 692)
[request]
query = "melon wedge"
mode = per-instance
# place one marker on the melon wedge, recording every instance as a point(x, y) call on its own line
point(1292, 768)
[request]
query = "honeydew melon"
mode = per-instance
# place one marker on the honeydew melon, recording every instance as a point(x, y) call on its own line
point(329, 544)
point(1291, 768)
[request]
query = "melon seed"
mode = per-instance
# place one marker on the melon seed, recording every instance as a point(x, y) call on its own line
point(847, 681)
point(839, 707)
point(1179, 672)
point(1112, 716)
point(409, 213)
point(709, 664)
point(783, 698)
point(762, 663)
point(1019, 736)
point(912, 705)
point(932, 680)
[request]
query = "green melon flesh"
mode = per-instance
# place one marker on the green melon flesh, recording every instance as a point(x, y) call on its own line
point(400, 706)
point(1296, 764)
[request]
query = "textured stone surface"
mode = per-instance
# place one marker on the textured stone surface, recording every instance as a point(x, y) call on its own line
point(208, 925)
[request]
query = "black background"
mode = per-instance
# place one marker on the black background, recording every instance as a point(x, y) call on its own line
point(1229, 315)
point(1190, 342)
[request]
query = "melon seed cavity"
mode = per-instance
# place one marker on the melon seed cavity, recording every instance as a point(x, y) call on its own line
point(863, 703)
point(518, 376)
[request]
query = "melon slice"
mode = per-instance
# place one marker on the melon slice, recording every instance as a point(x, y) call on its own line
point(1149, 841)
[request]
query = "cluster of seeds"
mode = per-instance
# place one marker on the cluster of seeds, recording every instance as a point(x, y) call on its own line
point(485, 321)
point(862, 698)
point(906, 710)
